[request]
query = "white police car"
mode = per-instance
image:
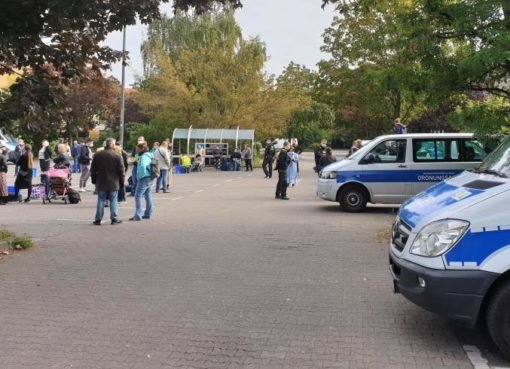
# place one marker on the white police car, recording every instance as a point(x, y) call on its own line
point(390, 169)
point(450, 249)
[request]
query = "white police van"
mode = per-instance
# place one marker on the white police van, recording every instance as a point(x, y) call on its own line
point(450, 249)
point(390, 169)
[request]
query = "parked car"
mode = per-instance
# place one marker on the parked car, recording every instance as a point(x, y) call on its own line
point(450, 248)
point(390, 169)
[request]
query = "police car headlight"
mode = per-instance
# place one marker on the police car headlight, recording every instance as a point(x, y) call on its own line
point(438, 237)
point(328, 175)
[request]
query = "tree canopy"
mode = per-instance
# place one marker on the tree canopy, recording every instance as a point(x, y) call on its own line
point(418, 60)
point(68, 34)
point(201, 71)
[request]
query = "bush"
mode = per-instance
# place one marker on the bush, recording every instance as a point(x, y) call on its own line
point(5, 235)
point(23, 241)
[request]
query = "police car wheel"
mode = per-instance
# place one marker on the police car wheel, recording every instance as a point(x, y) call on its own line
point(353, 199)
point(498, 318)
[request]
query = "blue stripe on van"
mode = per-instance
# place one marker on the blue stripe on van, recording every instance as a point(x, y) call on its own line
point(477, 247)
point(393, 176)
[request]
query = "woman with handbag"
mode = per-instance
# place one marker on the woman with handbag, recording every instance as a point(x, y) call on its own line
point(24, 176)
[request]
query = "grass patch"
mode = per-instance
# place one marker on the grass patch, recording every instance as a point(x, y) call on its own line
point(14, 242)
point(5, 235)
point(21, 241)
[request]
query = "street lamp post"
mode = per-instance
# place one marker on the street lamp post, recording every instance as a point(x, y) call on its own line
point(122, 92)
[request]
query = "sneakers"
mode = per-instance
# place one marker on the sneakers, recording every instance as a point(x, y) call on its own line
point(116, 222)
point(82, 189)
point(135, 219)
point(96, 222)
point(284, 198)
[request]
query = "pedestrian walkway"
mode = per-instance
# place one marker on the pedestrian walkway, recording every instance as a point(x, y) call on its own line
point(224, 276)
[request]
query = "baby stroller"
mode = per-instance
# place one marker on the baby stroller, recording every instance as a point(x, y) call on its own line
point(59, 185)
point(197, 164)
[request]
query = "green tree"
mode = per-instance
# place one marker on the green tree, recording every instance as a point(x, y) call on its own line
point(368, 39)
point(40, 105)
point(69, 33)
point(218, 82)
point(312, 124)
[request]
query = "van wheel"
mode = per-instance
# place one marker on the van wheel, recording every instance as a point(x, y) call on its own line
point(353, 199)
point(498, 318)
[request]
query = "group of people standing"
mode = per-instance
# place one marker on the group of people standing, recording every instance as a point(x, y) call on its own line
point(109, 169)
point(24, 171)
point(323, 156)
point(287, 166)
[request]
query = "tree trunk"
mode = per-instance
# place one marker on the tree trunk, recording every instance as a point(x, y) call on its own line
point(397, 104)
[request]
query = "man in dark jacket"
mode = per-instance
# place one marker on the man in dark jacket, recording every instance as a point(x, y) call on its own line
point(107, 171)
point(282, 163)
point(267, 163)
point(319, 153)
point(75, 153)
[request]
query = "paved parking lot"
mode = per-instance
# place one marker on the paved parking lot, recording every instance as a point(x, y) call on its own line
point(224, 276)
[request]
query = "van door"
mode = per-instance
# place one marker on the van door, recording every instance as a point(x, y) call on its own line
point(384, 171)
point(435, 160)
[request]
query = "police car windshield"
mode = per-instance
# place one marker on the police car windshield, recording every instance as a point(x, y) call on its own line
point(498, 161)
point(360, 152)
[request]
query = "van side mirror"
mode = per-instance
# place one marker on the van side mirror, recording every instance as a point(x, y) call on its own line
point(369, 159)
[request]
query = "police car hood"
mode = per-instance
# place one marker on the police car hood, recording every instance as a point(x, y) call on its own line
point(453, 196)
point(338, 165)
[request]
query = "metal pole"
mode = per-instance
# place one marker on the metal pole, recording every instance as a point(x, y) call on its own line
point(122, 92)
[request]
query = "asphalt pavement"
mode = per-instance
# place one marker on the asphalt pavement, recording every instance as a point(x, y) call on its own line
point(223, 276)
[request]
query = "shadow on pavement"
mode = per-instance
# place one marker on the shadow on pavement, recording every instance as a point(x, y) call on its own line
point(480, 338)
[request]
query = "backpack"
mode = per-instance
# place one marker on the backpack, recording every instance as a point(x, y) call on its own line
point(155, 171)
point(74, 196)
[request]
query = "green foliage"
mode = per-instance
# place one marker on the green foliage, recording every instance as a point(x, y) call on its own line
point(201, 6)
point(311, 124)
point(413, 58)
point(160, 128)
point(66, 34)
point(211, 77)
point(21, 241)
point(483, 117)
point(15, 241)
point(5, 235)
point(40, 105)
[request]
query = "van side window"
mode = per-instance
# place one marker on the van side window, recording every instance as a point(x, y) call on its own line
point(390, 151)
point(473, 151)
point(436, 150)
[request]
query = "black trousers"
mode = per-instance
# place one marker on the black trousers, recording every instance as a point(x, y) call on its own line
point(267, 167)
point(249, 165)
point(281, 186)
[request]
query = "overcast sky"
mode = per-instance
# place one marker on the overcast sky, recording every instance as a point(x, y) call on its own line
point(291, 29)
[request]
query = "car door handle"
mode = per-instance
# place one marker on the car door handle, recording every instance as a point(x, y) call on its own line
point(402, 166)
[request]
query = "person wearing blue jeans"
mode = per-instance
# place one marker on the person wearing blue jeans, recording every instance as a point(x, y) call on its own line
point(144, 184)
point(162, 182)
point(102, 197)
point(134, 175)
point(162, 156)
point(107, 172)
point(133, 179)
point(143, 190)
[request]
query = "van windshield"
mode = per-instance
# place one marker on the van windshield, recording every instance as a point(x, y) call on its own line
point(498, 161)
point(360, 152)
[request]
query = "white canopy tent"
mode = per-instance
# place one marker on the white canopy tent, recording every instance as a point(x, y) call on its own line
point(207, 135)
